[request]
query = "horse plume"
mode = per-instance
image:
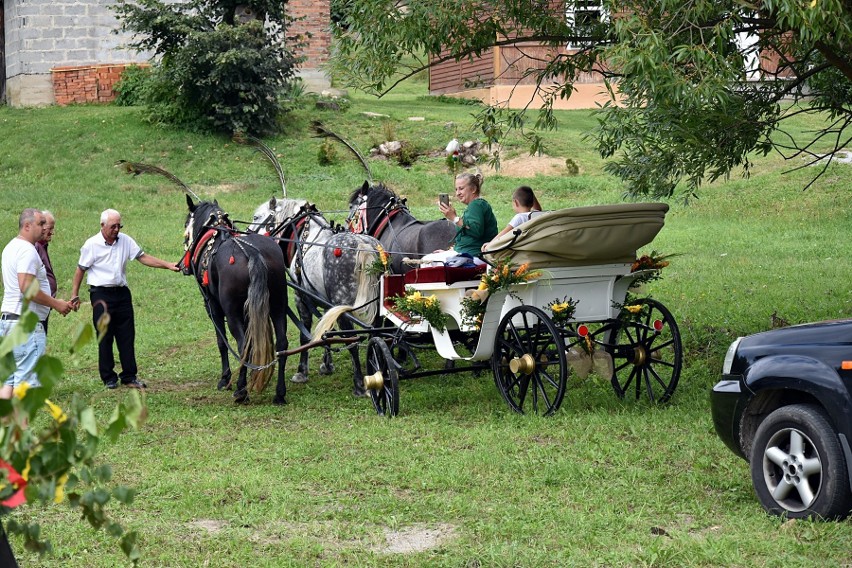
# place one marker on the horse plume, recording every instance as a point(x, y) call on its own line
point(266, 151)
point(137, 168)
point(323, 132)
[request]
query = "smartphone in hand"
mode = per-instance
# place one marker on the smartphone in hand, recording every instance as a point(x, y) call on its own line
point(444, 198)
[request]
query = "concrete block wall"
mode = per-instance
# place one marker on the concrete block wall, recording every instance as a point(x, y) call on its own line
point(43, 34)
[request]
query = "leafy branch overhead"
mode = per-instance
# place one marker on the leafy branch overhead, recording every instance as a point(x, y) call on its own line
point(695, 87)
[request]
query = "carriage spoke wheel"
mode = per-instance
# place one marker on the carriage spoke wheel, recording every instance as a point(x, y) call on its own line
point(529, 363)
point(382, 378)
point(647, 353)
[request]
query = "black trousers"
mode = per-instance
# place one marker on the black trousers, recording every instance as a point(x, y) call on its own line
point(121, 330)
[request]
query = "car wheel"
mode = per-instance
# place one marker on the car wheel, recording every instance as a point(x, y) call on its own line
point(797, 465)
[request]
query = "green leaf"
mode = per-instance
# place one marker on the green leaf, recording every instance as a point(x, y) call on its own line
point(85, 334)
point(88, 421)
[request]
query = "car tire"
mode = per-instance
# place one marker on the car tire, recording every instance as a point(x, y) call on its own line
point(797, 465)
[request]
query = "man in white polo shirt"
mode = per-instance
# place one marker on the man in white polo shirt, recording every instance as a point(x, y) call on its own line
point(21, 263)
point(104, 258)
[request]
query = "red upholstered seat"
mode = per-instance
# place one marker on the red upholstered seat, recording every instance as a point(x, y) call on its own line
point(444, 274)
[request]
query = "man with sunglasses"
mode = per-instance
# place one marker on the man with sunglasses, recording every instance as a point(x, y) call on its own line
point(103, 259)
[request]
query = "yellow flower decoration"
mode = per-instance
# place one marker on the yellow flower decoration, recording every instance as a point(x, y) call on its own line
point(21, 390)
point(634, 309)
point(59, 495)
point(57, 413)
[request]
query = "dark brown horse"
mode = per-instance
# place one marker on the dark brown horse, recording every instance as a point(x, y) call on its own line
point(242, 278)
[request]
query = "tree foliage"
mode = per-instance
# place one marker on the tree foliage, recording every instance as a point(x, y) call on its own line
point(697, 93)
point(48, 453)
point(223, 64)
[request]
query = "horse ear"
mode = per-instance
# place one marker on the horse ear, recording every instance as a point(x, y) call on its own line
point(190, 203)
point(216, 202)
point(365, 187)
point(273, 203)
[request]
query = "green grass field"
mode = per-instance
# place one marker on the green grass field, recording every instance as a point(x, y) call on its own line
point(456, 479)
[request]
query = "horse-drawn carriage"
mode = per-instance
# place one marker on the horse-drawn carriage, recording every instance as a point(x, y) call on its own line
point(556, 301)
point(569, 309)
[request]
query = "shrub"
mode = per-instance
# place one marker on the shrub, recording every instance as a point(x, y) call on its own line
point(131, 88)
point(223, 65)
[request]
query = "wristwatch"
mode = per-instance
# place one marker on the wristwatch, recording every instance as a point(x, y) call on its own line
point(456, 220)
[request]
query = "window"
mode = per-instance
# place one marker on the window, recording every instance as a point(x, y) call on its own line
point(584, 16)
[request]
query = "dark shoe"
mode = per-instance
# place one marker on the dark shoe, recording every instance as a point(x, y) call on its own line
point(135, 384)
point(111, 384)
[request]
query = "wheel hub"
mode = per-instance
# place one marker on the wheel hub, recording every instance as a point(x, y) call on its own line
point(374, 382)
point(793, 470)
point(639, 356)
point(522, 365)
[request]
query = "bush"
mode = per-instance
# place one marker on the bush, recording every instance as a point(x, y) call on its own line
point(215, 72)
point(131, 88)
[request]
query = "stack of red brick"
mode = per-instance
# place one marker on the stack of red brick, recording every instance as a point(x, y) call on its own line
point(86, 83)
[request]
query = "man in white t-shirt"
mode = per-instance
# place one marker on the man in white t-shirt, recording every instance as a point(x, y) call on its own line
point(103, 259)
point(21, 264)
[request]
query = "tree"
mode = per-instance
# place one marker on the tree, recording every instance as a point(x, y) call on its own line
point(223, 64)
point(702, 84)
point(55, 462)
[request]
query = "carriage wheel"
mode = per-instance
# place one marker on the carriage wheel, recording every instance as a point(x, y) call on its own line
point(647, 353)
point(382, 379)
point(528, 362)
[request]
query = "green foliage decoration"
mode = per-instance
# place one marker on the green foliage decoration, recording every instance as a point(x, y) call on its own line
point(223, 65)
point(57, 460)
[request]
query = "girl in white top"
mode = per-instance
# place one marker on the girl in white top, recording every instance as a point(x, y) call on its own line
point(525, 204)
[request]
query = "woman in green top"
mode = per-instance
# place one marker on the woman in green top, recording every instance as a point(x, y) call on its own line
point(477, 225)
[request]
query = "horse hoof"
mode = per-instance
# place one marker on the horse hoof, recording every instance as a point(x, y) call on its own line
point(359, 392)
point(241, 396)
point(279, 400)
point(326, 369)
point(224, 383)
point(299, 378)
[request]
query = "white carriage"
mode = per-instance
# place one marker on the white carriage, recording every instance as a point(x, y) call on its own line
point(586, 254)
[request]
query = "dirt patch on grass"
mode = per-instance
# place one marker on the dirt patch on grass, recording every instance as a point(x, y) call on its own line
point(416, 538)
point(209, 526)
point(529, 166)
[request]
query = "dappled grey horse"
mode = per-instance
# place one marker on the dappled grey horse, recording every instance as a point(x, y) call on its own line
point(329, 267)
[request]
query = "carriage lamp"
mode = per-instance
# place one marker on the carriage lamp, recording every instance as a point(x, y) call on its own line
point(374, 382)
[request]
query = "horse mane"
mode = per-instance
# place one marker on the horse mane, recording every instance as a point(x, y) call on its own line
point(378, 198)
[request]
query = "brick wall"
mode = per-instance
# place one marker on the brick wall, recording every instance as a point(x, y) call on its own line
point(86, 83)
point(313, 18)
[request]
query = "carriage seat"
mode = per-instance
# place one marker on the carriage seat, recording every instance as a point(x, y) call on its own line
point(445, 274)
point(394, 284)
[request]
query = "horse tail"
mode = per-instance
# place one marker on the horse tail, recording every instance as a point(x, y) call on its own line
point(259, 338)
point(328, 320)
point(368, 286)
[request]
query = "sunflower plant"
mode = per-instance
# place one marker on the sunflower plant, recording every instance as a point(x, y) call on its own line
point(48, 453)
point(562, 310)
point(417, 306)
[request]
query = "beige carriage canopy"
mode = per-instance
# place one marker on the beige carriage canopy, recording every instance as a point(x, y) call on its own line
point(582, 236)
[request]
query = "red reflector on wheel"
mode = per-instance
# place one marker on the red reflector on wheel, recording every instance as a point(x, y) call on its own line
point(582, 331)
point(658, 325)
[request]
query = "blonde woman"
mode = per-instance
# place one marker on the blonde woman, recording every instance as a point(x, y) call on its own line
point(477, 225)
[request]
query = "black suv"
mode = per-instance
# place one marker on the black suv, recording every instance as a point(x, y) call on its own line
point(785, 405)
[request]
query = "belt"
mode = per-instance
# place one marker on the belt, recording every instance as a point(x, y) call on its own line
point(105, 287)
point(14, 317)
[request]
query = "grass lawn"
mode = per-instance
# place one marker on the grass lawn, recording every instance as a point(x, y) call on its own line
point(456, 479)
